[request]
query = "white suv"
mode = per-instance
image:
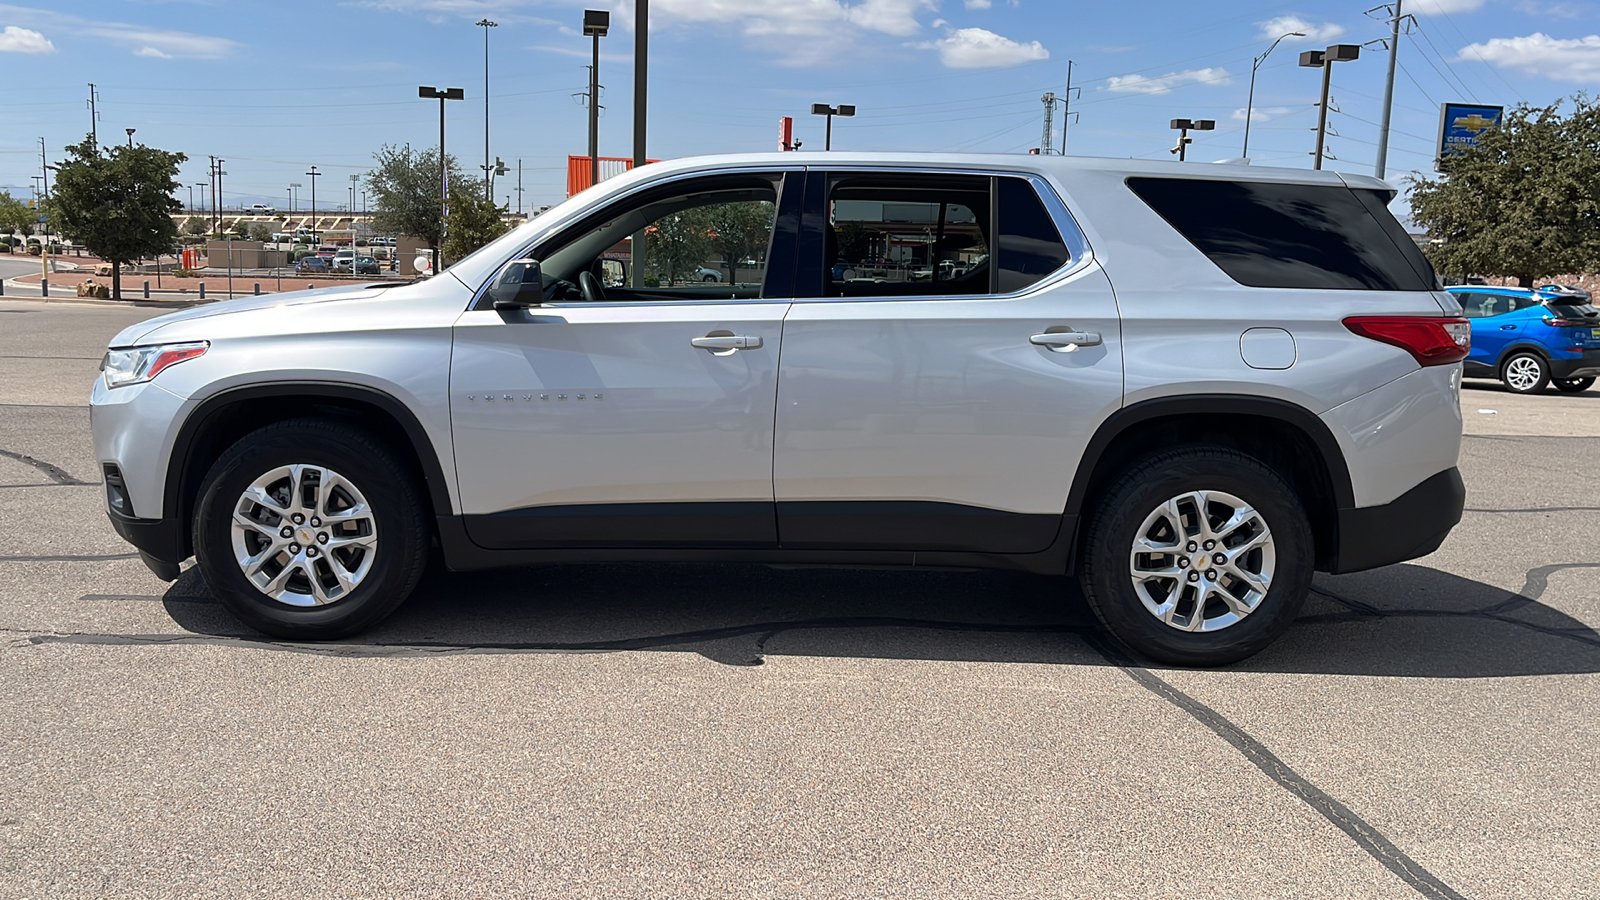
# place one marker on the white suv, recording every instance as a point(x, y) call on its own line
point(1189, 386)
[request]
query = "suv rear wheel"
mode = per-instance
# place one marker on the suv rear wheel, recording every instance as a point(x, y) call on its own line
point(310, 530)
point(1199, 556)
point(1525, 373)
point(1574, 385)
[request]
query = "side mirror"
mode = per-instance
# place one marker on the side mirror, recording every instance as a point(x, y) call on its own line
point(612, 272)
point(519, 285)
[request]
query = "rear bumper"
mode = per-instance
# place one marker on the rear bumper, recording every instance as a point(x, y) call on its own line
point(1584, 365)
point(1412, 525)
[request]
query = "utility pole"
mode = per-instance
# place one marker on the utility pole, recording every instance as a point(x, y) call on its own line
point(313, 173)
point(1388, 87)
point(1047, 143)
point(641, 54)
point(211, 180)
point(1066, 108)
point(486, 24)
point(519, 187)
point(596, 22)
point(217, 195)
point(94, 121)
point(44, 166)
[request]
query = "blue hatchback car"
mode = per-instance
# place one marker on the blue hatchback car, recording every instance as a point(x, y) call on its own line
point(1530, 339)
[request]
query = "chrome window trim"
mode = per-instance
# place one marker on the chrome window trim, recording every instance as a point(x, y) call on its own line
point(526, 249)
point(1071, 235)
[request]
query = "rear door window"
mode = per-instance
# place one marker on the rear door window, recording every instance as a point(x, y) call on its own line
point(1272, 235)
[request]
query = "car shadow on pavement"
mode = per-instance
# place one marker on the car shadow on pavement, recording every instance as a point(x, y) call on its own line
point(1405, 621)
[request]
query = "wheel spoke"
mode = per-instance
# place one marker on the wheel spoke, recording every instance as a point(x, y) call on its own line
point(266, 501)
point(1253, 581)
point(318, 591)
point(1241, 517)
point(316, 494)
point(1260, 538)
point(1171, 572)
point(275, 587)
point(1202, 593)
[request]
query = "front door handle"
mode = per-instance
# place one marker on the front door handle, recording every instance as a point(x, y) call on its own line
point(1066, 341)
point(727, 342)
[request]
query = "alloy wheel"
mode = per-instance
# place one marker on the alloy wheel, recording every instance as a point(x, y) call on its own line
point(304, 535)
point(1202, 561)
point(1523, 373)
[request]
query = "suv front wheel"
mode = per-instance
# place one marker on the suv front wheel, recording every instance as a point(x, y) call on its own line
point(1199, 556)
point(310, 530)
point(1525, 373)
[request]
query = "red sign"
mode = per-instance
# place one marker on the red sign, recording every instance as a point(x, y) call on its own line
point(786, 133)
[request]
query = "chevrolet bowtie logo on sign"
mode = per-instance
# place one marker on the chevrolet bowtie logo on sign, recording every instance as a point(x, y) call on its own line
point(1462, 124)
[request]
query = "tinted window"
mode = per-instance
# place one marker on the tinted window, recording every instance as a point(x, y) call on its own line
point(1029, 246)
point(1291, 235)
point(1572, 310)
point(913, 236)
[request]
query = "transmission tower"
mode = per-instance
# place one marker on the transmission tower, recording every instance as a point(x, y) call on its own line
point(1047, 142)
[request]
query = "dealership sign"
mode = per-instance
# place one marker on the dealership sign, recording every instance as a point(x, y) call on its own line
point(1461, 124)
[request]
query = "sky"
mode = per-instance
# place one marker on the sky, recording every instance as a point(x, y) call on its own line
point(275, 88)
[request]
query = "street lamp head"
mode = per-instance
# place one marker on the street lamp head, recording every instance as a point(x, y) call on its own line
point(1311, 59)
point(596, 22)
point(846, 110)
point(1343, 52)
point(1180, 124)
point(485, 23)
point(822, 109)
point(1205, 124)
point(454, 94)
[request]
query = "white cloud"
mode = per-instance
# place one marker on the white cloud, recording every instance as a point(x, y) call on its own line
point(1435, 7)
point(979, 48)
point(138, 38)
point(1559, 10)
point(1575, 59)
point(1163, 84)
point(1262, 114)
point(1272, 28)
point(977, 4)
point(21, 40)
point(151, 52)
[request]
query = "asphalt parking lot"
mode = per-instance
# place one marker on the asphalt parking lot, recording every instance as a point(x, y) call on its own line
point(1427, 729)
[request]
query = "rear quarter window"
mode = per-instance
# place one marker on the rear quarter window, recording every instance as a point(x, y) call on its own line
point(1271, 235)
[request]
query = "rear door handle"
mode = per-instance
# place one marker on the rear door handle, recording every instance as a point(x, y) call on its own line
point(728, 342)
point(1508, 328)
point(1066, 341)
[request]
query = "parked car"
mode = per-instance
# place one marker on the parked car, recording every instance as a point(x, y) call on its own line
point(364, 265)
point(313, 264)
point(261, 209)
point(327, 252)
point(704, 274)
point(1190, 463)
point(1531, 339)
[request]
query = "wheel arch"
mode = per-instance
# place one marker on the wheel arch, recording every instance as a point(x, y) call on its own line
point(1288, 437)
point(223, 418)
point(1511, 350)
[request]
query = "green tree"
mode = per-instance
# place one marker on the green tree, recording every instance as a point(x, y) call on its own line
point(260, 232)
point(854, 243)
point(118, 203)
point(678, 243)
point(739, 230)
point(474, 221)
point(195, 226)
point(1525, 203)
point(403, 188)
point(241, 229)
point(15, 217)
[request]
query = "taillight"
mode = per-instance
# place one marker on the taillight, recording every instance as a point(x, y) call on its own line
point(1431, 341)
point(1554, 322)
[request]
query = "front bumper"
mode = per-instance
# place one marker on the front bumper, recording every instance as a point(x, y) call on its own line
point(1412, 525)
point(159, 542)
point(1585, 365)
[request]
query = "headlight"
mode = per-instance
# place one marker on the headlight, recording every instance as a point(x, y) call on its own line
point(136, 365)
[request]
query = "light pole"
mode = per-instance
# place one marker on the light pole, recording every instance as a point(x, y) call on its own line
point(314, 175)
point(216, 195)
point(822, 109)
point(1324, 59)
point(596, 22)
point(485, 24)
point(130, 132)
point(292, 186)
point(202, 185)
point(1250, 104)
point(1182, 126)
point(441, 94)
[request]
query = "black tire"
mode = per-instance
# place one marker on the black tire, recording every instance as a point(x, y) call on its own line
point(1525, 361)
point(390, 489)
point(709, 279)
point(1115, 520)
point(1574, 385)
